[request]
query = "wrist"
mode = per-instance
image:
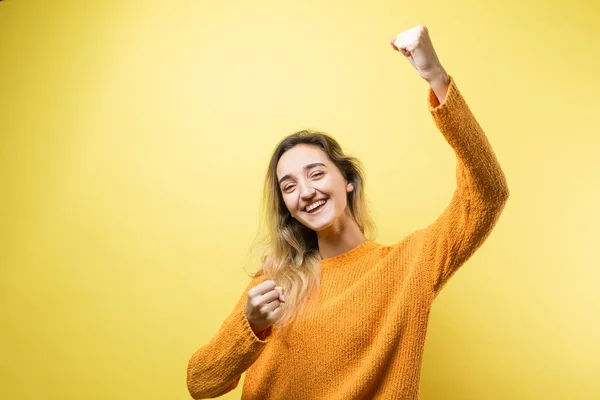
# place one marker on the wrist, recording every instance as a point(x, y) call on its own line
point(438, 77)
point(255, 329)
point(440, 83)
point(262, 335)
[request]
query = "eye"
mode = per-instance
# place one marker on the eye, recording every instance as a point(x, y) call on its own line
point(315, 175)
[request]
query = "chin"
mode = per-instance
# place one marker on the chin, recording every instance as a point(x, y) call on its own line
point(319, 227)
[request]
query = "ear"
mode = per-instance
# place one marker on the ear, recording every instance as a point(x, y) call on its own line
point(349, 187)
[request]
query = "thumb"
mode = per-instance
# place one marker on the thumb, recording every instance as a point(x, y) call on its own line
point(404, 50)
point(281, 296)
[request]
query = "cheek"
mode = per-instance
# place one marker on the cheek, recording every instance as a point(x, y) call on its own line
point(326, 186)
point(341, 196)
point(290, 203)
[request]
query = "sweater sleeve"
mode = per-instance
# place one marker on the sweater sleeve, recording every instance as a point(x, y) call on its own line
point(216, 368)
point(480, 194)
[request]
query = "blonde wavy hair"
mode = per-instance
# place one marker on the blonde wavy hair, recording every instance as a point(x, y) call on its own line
point(288, 250)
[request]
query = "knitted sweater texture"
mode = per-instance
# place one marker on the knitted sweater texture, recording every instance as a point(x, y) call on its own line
point(364, 338)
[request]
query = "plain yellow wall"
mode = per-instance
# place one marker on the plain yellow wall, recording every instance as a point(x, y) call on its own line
point(133, 142)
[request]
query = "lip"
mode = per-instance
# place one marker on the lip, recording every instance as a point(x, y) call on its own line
point(320, 209)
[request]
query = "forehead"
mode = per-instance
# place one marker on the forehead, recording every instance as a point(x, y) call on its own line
point(294, 160)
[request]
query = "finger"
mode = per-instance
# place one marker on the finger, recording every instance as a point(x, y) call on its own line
point(272, 306)
point(262, 288)
point(393, 45)
point(275, 314)
point(269, 297)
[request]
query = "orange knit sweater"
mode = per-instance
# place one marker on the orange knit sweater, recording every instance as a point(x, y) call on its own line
point(365, 336)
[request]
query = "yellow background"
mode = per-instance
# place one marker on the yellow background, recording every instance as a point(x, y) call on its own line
point(133, 143)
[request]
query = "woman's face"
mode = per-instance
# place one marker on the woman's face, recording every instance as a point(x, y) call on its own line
point(307, 177)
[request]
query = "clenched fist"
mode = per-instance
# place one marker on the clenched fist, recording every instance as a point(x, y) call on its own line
point(263, 307)
point(416, 46)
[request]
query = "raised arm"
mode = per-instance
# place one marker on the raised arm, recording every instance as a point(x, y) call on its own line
point(480, 195)
point(481, 191)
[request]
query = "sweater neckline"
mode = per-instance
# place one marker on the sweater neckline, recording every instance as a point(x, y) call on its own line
point(350, 255)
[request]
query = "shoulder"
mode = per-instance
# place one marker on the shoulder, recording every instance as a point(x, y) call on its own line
point(409, 245)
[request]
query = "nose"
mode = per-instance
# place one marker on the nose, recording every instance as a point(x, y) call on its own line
point(306, 191)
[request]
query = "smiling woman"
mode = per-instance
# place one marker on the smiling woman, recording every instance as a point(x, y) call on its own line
point(332, 314)
point(308, 168)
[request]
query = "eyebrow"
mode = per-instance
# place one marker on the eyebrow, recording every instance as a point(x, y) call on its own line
point(307, 167)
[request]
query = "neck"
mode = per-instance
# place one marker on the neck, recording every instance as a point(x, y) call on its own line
point(342, 236)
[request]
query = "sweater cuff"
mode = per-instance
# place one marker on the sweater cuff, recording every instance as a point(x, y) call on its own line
point(253, 339)
point(451, 97)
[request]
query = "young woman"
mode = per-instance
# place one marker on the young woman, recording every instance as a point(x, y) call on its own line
point(332, 314)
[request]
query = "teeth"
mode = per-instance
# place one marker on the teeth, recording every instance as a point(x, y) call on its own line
point(314, 205)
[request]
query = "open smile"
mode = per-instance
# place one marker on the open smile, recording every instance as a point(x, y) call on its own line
point(317, 209)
